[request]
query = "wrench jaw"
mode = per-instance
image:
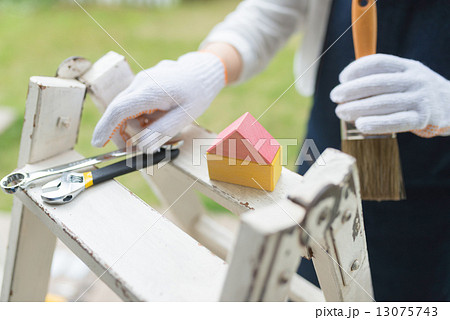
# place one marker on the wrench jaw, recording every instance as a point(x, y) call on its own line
point(63, 189)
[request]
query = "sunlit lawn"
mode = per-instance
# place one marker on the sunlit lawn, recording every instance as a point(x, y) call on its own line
point(34, 40)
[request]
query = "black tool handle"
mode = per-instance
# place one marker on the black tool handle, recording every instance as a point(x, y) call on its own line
point(129, 165)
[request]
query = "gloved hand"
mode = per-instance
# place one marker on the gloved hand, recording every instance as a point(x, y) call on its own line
point(183, 89)
point(384, 93)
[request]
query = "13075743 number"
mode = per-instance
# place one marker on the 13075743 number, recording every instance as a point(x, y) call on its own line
point(407, 311)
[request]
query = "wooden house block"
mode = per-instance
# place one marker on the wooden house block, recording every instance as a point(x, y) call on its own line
point(245, 153)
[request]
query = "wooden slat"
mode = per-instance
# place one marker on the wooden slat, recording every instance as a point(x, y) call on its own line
point(28, 258)
point(106, 226)
point(106, 78)
point(266, 254)
point(52, 117)
point(335, 227)
point(301, 290)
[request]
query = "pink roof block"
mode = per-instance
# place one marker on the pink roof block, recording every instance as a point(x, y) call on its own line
point(249, 137)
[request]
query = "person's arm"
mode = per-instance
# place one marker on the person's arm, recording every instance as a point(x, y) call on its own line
point(251, 35)
point(229, 56)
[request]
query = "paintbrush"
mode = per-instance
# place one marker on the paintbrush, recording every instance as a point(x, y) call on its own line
point(377, 156)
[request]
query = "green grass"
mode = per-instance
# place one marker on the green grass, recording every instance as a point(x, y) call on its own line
point(35, 39)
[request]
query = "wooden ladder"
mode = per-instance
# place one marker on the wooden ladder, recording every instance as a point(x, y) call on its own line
point(143, 256)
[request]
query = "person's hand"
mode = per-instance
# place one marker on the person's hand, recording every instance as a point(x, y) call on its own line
point(384, 93)
point(179, 90)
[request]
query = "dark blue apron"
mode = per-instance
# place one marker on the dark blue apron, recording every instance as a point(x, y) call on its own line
point(408, 241)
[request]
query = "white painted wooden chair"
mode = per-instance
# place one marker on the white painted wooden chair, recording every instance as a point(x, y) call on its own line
point(141, 255)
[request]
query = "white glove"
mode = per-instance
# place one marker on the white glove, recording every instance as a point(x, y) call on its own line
point(183, 89)
point(384, 93)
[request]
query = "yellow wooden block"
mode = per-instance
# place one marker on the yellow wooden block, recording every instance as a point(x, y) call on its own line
point(245, 173)
point(54, 298)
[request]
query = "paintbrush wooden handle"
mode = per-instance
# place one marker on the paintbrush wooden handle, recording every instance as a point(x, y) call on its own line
point(364, 29)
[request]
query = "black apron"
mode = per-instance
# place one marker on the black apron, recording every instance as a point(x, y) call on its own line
point(408, 241)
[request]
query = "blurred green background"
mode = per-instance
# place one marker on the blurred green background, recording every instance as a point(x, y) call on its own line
point(35, 36)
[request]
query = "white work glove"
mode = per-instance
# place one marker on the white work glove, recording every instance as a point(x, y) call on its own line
point(183, 89)
point(384, 93)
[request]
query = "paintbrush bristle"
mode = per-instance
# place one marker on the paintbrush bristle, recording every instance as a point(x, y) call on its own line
point(379, 167)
